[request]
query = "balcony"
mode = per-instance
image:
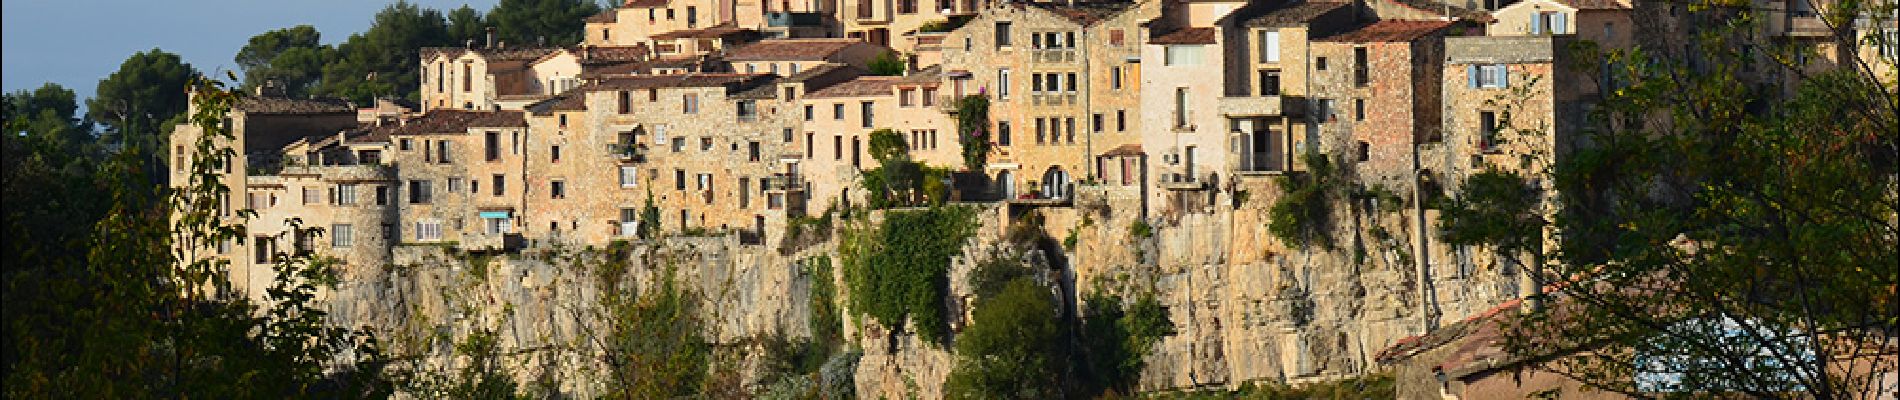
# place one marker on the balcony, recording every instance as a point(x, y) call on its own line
point(633, 152)
point(1185, 181)
point(1259, 106)
point(783, 183)
point(1053, 55)
point(492, 242)
point(788, 20)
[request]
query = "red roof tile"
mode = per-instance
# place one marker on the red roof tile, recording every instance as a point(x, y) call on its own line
point(860, 87)
point(1186, 36)
point(1595, 4)
point(609, 16)
point(792, 49)
point(450, 122)
point(720, 31)
point(1296, 14)
point(1389, 31)
point(644, 3)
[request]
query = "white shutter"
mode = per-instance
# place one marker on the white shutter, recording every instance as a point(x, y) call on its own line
point(1273, 46)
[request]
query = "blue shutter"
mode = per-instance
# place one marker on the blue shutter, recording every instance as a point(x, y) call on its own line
point(1504, 75)
point(1557, 25)
point(1537, 24)
point(1471, 75)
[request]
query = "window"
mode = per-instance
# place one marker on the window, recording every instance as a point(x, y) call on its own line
point(626, 102)
point(857, 152)
point(679, 144)
point(906, 97)
point(837, 111)
point(629, 176)
point(1096, 123)
point(500, 183)
point(1115, 78)
point(262, 245)
point(557, 189)
point(748, 110)
point(679, 179)
point(1890, 45)
point(752, 151)
point(382, 195)
point(1319, 63)
point(1358, 109)
point(788, 136)
point(1035, 83)
point(1069, 125)
point(492, 145)
point(653, 95)
point(346, 194)
point(1609, 30)
point(404, 144)
point(1270, 46)
point(703, 181)
point(474, 186)
point(689, 103)
point(1180, 108)
point(1325, 111)
point(1550, 23)
point(554, 153)
point(1269, 82)
point(1121, 120)
point(930, 97)
point(1365, 151)
point(312, 196)
point(837, 147)
point(1487, 76)
point(468, 77)
point(430, 230)
point(1002, 83)
point(341, 235)
point(439, 81)
point(1002, 34)
point(419, 192)
point(1115, 37)
point(1360, 77)
point(1487, 130)
point(808, 112)
point(866, 118)
point(1040, 128)
point(1002, 133)
point(809, 144)
point(1070, 87)
point(1182, 55)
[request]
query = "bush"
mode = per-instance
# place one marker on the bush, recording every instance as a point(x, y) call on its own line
point(973, 122)
point(1303, 215)
point(886, 64)
point(1016, 347)
point(1141, 230)
point(898, 271)
point(1117, 338)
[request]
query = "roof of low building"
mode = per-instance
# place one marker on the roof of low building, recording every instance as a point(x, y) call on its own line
point(610, 15)
point(1448, 10)
point(792, 49)
point(571, 100)
point(1086, 14)
point(450, 122)
point(491, 54)
point(1126, 150)
point(676, 80)
point(1595, 4)
point(859, 87)
point(717, 31)
point(286, 105)
point(1298, 13)
point(816, 71)
point(644, 3)
point(1389, 31)
point(1186, 36)
point(611, 54)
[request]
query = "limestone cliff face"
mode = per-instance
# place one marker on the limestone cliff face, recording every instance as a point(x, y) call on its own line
point(1246, 307)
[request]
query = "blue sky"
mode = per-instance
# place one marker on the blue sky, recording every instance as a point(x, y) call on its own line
point(75, 43)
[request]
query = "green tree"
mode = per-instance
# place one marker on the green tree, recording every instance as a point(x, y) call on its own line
point(656, 345)
point(382, 61)
point(1016, 347)
point(134, 102)
point(1718, 235)
point(897, 270)
point(885, 64)
point(293, 57)
point(973, 127)
point(542, 22)
point(466, 26)
point(1117, 337)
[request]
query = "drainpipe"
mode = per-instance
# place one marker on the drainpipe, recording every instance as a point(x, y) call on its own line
point(1088, 109)
point(1421, 249)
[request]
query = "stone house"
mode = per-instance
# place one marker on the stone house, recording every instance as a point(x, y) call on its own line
point(1377, 97)
point(460, 78)
point(886, 22)
point(460, 178)
point(1267, 88)
point(786, 57)
point(838, 119)
point(261, 178)
point(1031, 60)
point(1183, 132)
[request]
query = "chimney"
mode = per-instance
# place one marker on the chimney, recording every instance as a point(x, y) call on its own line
point(491, 38)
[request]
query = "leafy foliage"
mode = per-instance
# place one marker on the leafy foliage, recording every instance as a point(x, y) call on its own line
point(1495, 208)
point(896, 271)
point(542, 22)
point(381, 61)
point(656, 345)
point(885, 64)
point(1374, 386)
point(1303, 214)
point(135, 101)
point(973, 125)
point(1016, 347)
point(1116, 338)
point(293, 57)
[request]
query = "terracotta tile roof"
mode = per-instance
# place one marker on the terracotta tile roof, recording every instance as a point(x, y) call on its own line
point(605, 70)
point(1595, 4)
point(609, 16)
point(1132, 149)
point(1296, 14)
point(1439, 8)
point(860, 87)
point(452, 122)
point(1086, 14)
point(1389, 31)
point(680, 80)
point(1186, 36)
point(719, 31)
point(792, 49)
point(818, 70)
point(644, 3)
point(493, 54)
point(285, 105)
point(611, 54)
point(571, 100)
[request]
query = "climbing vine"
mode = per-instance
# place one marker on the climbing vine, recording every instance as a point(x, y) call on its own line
point(973, 121)
point(897, 271)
